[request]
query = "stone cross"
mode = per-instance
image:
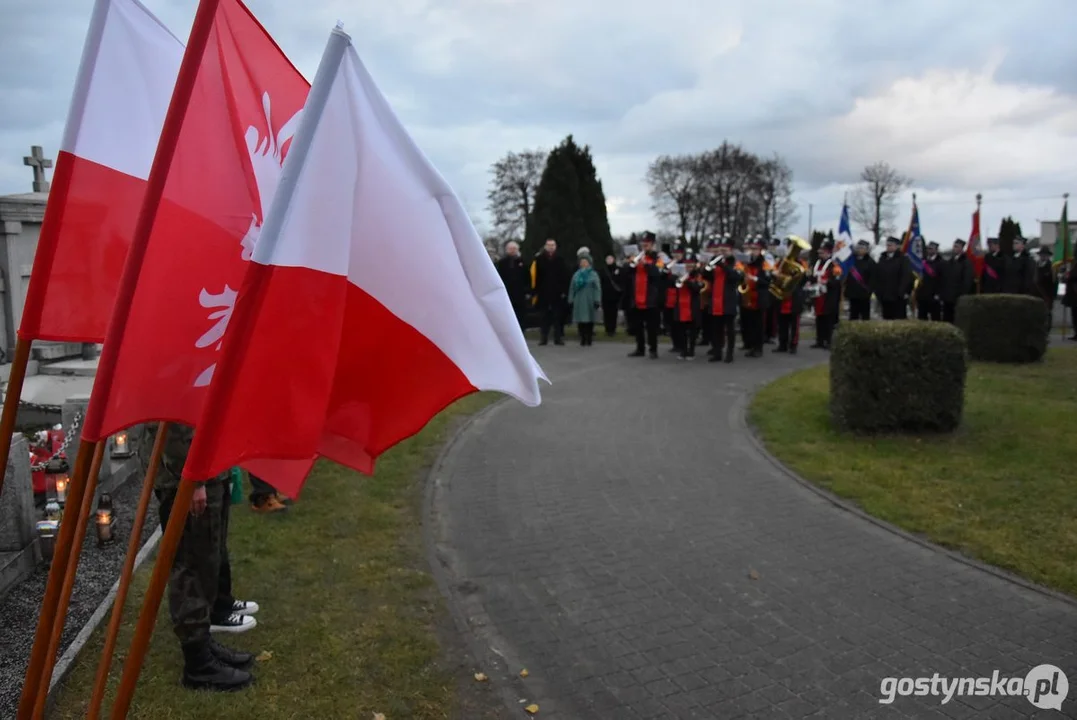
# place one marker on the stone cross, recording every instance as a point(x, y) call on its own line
point(37, 160)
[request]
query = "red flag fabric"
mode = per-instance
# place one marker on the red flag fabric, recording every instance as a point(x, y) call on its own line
point(124, 83)
point(232, 141)
point(976, 251)
point(370, 359)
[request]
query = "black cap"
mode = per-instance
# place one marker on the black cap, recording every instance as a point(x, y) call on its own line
point(863, 243)
point(992, 241)
point(960, 242)
point(933, 245)
point(1046, 251)
point(647, 236)
point(1019, 239)
point(893, 240)
point(827, 245)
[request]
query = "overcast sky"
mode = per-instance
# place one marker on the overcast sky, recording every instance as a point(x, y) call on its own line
point(962, 96)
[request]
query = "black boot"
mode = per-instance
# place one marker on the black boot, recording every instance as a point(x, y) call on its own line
point(233, 658)
point(729, 355)
point(203, 671)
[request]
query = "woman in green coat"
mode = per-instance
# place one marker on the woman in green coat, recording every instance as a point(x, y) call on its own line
point(585, 294)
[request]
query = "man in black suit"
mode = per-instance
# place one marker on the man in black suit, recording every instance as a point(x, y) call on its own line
point(551, 274)
point(514, 276)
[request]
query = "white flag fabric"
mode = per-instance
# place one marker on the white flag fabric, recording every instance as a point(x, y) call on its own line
point(370, 304)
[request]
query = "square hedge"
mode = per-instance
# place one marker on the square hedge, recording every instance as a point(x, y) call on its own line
point(1003, 328)
point(897, 376)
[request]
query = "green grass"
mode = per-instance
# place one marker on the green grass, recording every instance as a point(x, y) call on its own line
point(349, 611)
point(1000, 489)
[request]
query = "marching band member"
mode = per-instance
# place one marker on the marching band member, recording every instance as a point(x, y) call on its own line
point(713, 249)
point(893, 281)
point(687, 310)
point(860, 282)
point(724, 275)
point(755, 300)
point(770, 317)
point(645, 273)
point(677, 256)
point(958, 280)
point(825, 287)
point(929, 291)
point(789, 312)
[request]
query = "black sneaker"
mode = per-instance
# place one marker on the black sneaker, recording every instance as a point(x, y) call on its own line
point(234, 623)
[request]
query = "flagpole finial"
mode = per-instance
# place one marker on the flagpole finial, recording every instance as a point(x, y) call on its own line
point(914, 198)
point(1065, 196)
point(979, 197)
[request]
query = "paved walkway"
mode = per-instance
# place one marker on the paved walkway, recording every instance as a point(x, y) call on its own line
point(628, 545)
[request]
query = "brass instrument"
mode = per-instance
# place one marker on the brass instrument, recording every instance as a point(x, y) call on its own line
point(789, 272)
point(634, 261)
point(683, 279)
point(715, 261)
point(744, 287)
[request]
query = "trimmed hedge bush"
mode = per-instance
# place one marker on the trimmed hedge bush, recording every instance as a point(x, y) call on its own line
point(897, 376)
point(1003, 328)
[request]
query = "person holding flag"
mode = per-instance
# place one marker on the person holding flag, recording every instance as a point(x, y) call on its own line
point(930, 287)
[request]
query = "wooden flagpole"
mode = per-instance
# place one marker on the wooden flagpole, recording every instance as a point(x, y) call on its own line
point(11, 402)
point(47, 617)
point(201, 29)
point(85, 510)
point(101, 680)
point(980, 240)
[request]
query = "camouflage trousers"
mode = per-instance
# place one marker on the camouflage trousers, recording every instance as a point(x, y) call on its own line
point(200, 584)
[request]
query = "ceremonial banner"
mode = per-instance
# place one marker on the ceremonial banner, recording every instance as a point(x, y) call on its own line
point(976, 250)
point(843, 254)
point(370, 358)
point(232, 139)
point(913, 244)
point(124, 83)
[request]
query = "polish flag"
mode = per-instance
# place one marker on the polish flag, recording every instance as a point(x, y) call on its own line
point(174, 301)
point(124, 83)
point(370, 305)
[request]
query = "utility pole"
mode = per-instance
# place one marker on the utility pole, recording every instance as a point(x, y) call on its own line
point(810, 207)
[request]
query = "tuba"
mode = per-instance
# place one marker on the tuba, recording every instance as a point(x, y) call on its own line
point(790, 271)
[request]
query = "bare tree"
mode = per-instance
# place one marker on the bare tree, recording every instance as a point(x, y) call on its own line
point(873, 203)
point(775, 188)
point(731, 177)
point(512, 191)
point(676, 187)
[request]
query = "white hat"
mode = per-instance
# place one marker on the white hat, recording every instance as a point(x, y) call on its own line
point(583, 251)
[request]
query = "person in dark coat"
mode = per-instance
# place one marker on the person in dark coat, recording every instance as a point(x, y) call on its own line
point(686, 312)
point(929, 290)
point(514, 277)
point(893, 281)
point(1020, 278)
point(789, 312)
point(647, 297)
point(612, 277)
point(1069, 299)
point(993, 277)
point(859, 283)
point(551, 277)
point(1047, 283)
point(722, 280)
point(958, 280)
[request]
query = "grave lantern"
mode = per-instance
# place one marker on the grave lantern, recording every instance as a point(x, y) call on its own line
point(53, 511)
point(105, 518)
point(46, 536)
point(121, 445)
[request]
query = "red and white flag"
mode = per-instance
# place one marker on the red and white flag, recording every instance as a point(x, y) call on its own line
point(232, 140)
point(124, 83)
point(370, 304)
point(976, 250)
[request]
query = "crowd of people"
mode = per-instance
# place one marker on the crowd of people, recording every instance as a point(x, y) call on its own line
point(702, 300)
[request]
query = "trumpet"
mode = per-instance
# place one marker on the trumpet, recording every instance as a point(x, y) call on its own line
point(683, 279)
point(634, 261)
point(715, 261)
point(744, 286)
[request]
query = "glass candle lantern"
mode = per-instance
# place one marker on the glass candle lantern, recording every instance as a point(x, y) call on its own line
point(103, 524)
point(121, 445)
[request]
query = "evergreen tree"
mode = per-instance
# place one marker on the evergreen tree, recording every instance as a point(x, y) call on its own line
point(1007, 231)
point(570, 206)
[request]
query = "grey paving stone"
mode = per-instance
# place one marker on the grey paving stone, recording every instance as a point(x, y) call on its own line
point(609, 535)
